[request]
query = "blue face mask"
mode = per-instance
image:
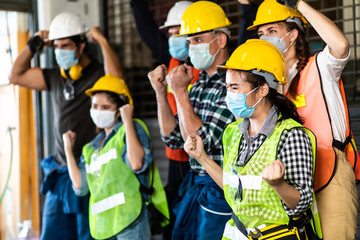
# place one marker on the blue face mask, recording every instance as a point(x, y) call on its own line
point(66, 58)
point(200, 55)
point(178, 48)
point(237, 104)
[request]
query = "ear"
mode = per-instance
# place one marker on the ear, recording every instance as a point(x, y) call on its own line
point(264, 90)
point(82, 47)
point(294, 35)
point(222, 40)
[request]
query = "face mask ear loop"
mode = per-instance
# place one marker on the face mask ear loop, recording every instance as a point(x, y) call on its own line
point(209, 46)
point(289, 44)
point(257, 102)
point(252, 90)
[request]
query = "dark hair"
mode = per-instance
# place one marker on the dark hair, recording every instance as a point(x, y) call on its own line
point(115, 98)
point(78, 39)
point(302, 53)
point(284, 106)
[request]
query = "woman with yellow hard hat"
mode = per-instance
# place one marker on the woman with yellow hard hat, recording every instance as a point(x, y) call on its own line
point(268, 154)
point(315, 86)
point(114, 164)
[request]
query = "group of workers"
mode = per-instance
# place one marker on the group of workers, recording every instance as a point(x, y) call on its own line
point(259, 140)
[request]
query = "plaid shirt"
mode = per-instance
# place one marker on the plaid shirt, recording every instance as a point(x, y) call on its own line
point(207, 97)
point(294, 150)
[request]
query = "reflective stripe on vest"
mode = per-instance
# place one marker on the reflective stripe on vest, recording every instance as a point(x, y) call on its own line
point(311, 100)
point(178, 154)
point(231, 141)
point(247, 207)
point(115, 199)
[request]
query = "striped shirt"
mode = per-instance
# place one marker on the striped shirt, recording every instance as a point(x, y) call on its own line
point(207, 96)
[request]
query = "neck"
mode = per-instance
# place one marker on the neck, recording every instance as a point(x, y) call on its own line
point(258, 118)
point(108, 130)
point(84, 60)
point(220, 58)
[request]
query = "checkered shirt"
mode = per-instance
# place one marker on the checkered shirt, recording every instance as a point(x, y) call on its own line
point(207, 96)
point(294, 150)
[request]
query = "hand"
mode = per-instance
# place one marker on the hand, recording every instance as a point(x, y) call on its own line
point(69, 140)
point(180, 77)
point(194, 146)
point(247, 2)
point(44, 35)
point(96, 34)
point(273, 174)
point(157, 77)
point(126, 112)
point(289, 3)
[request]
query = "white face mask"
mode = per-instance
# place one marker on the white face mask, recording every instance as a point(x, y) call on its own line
point(200, 55)
point(102, 118)
point(278, 42)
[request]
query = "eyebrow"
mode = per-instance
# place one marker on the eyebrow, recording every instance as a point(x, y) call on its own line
point(232, 84)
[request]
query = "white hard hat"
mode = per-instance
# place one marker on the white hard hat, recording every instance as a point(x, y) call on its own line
point(66, 25)
point(175, 14)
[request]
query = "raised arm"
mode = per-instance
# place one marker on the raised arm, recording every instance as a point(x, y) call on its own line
point(167, 121)
point(134, 149)
point(112, 64)
point(194, 147)
point(74, 171)
point(149, 31)
point(22, 73)
point(327, 30)
point(248, 11)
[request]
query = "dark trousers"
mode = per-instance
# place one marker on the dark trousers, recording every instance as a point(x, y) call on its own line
point(177, 172)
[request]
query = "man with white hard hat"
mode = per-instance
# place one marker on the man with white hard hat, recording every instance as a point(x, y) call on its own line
point(65, 216)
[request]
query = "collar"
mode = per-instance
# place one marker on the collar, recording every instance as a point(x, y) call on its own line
point(95, 143)
point(221, 72)
point(267, 127)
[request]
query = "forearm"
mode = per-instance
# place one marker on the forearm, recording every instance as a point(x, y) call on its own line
point(112, 64)
point(289, 194)
point(167, 121)
point(189, 120)
point(74, 171)
point(328, 31)
point(212, 168)
point(149, 31)
point(134, 149)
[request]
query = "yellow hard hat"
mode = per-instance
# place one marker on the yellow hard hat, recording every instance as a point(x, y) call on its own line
point(259, 56)
point(202, 16)
point(110, 83)
point(270, 11)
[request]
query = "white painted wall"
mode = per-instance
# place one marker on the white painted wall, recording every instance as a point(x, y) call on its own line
point(88, 9)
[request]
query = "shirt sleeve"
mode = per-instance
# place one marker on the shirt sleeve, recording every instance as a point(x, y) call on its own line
point(174, 139)
point(214, 124)
point(248, 13)
point(149, 32)
point(330, 67)
point(145, 141)
point(84, 188)
point(295, 152)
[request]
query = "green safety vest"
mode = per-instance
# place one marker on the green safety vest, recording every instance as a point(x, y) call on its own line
point(115, 199)
point(259, 204)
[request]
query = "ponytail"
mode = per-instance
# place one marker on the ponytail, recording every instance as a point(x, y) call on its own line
point(302, 53)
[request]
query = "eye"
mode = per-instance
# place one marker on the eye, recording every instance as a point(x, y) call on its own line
point(272, 31)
